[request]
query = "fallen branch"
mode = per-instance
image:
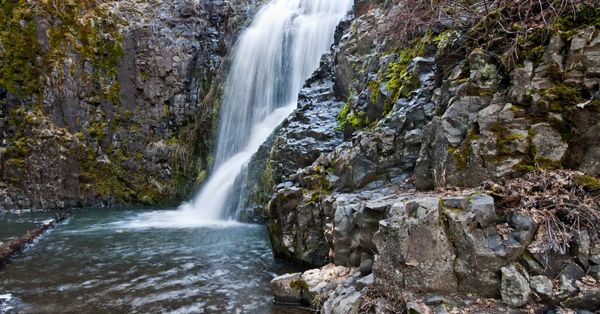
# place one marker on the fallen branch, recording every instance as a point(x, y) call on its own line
point(12, 247)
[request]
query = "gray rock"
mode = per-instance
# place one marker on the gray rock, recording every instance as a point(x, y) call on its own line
point(284, 290)
point(482, 206)
point(594, 271)
point(415, 307)
point(582, 247)
point(567, 287)
point(587, 298)
point(548, 142)
point(342, 301)
point(543, 286)
point(572, 272)
point(414, 251)
point(514, 289)
point(365, 282)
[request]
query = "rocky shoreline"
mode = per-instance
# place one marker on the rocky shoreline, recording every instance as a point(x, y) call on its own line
point(445, 253)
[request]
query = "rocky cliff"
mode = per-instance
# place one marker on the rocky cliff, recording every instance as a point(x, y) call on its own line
point(439, 108)
point(110, 102)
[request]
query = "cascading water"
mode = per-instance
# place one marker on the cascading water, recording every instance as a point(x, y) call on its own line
point(272, 59)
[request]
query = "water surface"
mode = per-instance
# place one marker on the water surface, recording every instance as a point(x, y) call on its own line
point(100, 262)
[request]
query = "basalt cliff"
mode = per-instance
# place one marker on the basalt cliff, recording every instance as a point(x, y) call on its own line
point(106, 103)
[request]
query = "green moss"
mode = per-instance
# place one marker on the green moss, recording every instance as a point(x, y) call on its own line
point(587, 15)
point(523, 167)
point(299, 285)
point(535, 54)
point(373, 87)
point(343, 115)
point(22, 145)
point(588, 182)
point(400, 82)
point(97, 129)
point(112, 95)
point(347, 116)
point(564, 97)
point(16, 162)
point(462, 154)
point(504, 139)
point(547, 164)
point(83, 26)
point(19, 66)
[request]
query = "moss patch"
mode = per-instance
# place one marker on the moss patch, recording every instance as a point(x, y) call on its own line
point(588, 182)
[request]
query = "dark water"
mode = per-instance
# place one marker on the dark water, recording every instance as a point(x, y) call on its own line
point(14, 224)
point(95, 263)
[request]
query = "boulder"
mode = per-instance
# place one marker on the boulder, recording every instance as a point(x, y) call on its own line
point(414, 250)
point(288, 288)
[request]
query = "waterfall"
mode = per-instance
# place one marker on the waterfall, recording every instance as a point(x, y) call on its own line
point(271, 61)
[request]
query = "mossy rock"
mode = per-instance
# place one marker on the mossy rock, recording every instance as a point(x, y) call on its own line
point(299, 285)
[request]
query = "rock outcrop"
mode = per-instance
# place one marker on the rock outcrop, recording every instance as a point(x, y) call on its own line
point(447, 113)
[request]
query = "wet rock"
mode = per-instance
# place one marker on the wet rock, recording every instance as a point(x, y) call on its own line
point(514, 289)
point(162, 87)
point(482, 207)
point(296, 227)
point(481, 252)
point(524, 227)
point(594, 271)
point(521, 82)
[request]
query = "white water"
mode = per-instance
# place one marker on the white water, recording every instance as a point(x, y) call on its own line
point(272, 59)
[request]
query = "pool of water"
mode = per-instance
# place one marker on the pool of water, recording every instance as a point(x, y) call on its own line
point(99, 262)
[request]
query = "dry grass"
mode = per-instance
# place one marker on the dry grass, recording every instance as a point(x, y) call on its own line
point(505, 24)
point(376, 293)
point(563, 204)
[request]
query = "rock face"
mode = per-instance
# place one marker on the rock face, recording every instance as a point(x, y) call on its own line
point(123, 114)
point(441, 112)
